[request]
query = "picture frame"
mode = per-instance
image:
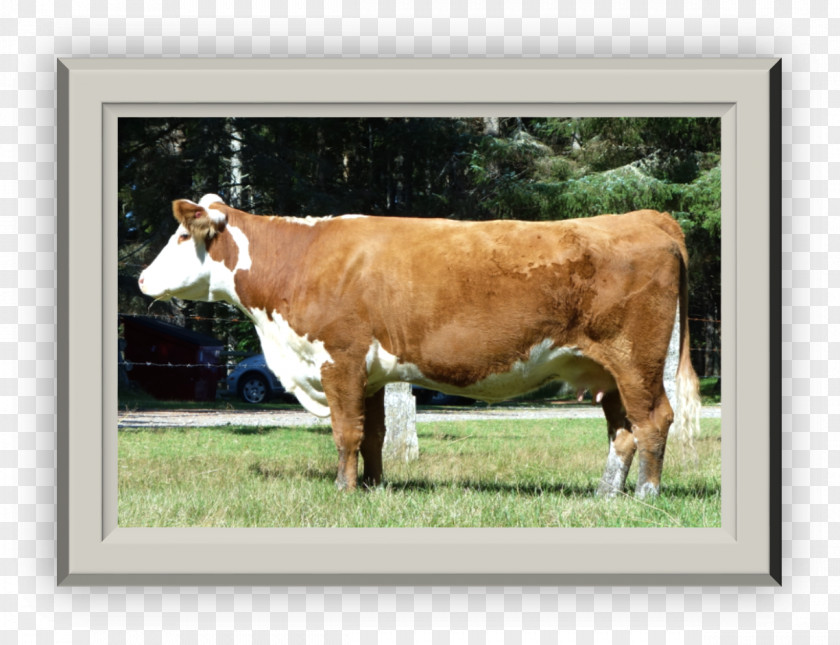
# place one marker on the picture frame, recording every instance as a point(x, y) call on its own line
point(95, 93)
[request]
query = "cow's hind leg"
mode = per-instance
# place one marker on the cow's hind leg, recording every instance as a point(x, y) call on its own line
point(622, 447)
point(344, 386)
point(651, 418)
point(374, 437)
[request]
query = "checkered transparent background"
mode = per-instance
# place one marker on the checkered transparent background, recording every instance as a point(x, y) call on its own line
point(805, 34)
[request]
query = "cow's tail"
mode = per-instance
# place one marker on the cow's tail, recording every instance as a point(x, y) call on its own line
point(687, 415)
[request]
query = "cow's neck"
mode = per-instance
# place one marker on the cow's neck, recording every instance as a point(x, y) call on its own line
point(262, 258)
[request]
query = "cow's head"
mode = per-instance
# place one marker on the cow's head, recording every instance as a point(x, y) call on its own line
point(183, 269)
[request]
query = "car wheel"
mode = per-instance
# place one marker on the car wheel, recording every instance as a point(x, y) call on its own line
point(253, 388)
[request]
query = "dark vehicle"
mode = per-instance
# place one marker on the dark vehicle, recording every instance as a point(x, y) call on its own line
point(432, 397)
point(253, 381)
point(169, 362)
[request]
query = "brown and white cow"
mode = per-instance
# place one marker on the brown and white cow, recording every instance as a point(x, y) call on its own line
point(488, 310)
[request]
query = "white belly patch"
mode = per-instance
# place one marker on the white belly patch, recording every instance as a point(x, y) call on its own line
point(297, 362)
point(544, 363)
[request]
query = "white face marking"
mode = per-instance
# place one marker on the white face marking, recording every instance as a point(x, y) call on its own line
point(184, 269)
point(179, 270)
point(296, 360)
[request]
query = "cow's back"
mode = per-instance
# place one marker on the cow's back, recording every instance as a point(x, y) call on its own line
point(464, 300)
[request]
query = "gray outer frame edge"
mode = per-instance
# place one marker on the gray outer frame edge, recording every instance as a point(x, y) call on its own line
point(63, 332)
point(775, 320)
point(70, 572)
point(422, 580)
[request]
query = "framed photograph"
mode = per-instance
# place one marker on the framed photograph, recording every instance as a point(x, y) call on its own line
point(439, 140)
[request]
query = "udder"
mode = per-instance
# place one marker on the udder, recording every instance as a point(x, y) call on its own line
point(584, 375)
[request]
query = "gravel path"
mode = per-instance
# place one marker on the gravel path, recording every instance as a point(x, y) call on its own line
point(269, 418)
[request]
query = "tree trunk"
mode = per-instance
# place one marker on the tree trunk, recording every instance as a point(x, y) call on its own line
point(235, 198)
point(712, 344)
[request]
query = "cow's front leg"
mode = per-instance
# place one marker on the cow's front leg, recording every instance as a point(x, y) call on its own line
point(344, 386)
point(374, 437)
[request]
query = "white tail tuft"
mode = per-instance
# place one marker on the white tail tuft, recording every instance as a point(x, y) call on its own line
point(687, 417)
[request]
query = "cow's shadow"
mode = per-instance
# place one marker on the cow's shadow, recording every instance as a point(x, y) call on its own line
point(278, 470)
point(477, 486)
point(257, 430)
point(700, 490)
point(315, 471)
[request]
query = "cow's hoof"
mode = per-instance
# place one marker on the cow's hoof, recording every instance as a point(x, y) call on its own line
point(605, 491)
point(370, 483)
point(343, 484)
point(647, 491)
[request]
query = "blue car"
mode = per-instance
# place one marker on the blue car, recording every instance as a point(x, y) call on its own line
point(253, 382)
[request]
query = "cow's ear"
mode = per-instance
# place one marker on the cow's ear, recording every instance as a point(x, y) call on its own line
point(196, 219)
point(186, 211)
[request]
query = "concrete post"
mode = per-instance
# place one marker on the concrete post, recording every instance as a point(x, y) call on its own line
point(400, 423)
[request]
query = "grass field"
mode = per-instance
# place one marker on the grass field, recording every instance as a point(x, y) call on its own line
point(470, 474)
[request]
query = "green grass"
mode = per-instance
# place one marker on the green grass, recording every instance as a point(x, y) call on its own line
point(710, 390)
point(470, 474)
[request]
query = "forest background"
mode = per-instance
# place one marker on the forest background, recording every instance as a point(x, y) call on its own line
point(460, 168)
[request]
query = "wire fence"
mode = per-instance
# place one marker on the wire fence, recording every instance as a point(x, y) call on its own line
point(704, 351)
point(130, 364)
point(171, 317)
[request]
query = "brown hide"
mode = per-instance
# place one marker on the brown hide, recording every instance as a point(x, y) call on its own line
point(463, 300)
